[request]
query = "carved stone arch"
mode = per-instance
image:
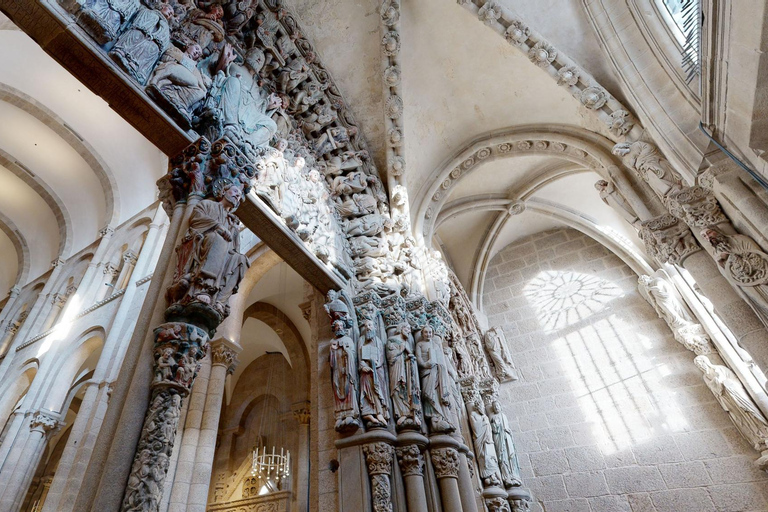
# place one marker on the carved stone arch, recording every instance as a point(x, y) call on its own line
point(87, 152)
point(572, 144)
point(48, 195)
point(22, 248)
point(15, 386)
point(127, 236)
point(291, 338)
point(565, 216)
point(74, 269)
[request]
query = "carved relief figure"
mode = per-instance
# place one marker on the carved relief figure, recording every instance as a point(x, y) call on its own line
point(505, 446)
point(373, 403)
point(615, 200)
point(735, 400)
point(178, 81)
point(142, 43)
point(403, 378)
point(651, 166)
point(344, 377)
point(496, 346)
point(210, 266)
point(102, 19)
point(435, 385)
point(744, 264)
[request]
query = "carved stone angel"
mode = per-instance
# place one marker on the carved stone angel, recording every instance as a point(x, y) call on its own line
point(735, 400)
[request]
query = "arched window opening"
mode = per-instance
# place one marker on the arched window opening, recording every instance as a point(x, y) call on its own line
point(683, 20)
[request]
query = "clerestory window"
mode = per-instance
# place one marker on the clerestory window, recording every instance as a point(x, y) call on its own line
point(683, 19)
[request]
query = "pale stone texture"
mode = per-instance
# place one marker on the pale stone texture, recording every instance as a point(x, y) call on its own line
point(611, 413)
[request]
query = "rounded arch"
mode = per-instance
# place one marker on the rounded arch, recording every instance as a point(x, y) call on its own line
point(571, 144)
point(15, 387)
point(291, 338)
point(88, 153)
point(22, 249)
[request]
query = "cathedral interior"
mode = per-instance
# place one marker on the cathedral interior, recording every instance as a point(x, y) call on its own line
point(383, 256)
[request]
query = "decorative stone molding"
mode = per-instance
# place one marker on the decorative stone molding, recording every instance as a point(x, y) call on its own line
point(45, 423)
point(446, 462)
point(378, 458)
point(489, 13)
point(303, 415)
point(410, 459)
point(542, 54)
point(696, 206)
point(518, 33)
point(568, 75)
point(593, 97)
point(668, 240)
point(106, 231)
point(223, 355)
point(497, 504)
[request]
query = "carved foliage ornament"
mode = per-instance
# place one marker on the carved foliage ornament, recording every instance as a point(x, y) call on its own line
point(223, 355)
point(696, 206)
point(668, 240)
point(620, 122)
point(497, 504)
point(44, 423)
point(517, 32)
point(446, 462)
point(378, 457)
point(593, 97)
point(568, 75)
point(542, 54)
point(489, 13)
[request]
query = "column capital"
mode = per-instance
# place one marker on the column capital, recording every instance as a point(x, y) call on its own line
point(58, 262)
point(410, 459)
point(110, 269)
point(45, 422)
point(667, 239)
point(378, 456)
point(106, 232)
point(446, 462)
point(223, 354)
point(14, 291)
point(696, 206)
point(130, 257)
point(301, 413)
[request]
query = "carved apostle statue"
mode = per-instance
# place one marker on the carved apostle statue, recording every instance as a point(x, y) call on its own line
point(210, 266)
point(178, 81)
point(344, 377)
point(146, 38)
point(615, 200)
point(435, 387)
point(373, 380)
point(505, 446)
point(742, 410)
point(403, 378)
point(651, 166)
point(485, 449)
point(496, 346)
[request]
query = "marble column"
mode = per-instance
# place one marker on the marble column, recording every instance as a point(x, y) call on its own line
point(445, 461)
point(223, 363)
point(42, 426)
point(90, 283)
point(378, 458)
point(129, 262)
point(301, 475)
point(58, 302)
point(466, 487)
point(10, 304)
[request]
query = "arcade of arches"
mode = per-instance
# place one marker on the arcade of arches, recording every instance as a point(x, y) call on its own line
point(383, 256)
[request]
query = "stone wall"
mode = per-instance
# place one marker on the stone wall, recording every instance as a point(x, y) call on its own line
point(610, 412)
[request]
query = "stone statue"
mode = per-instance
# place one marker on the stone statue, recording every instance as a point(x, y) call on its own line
point(344, 377)
point(661, 295)
point(505, 446)
point(210, 266)
point(178, 82)
point(403, 378)
point(496, 347)
point(373, 381)
point(744, 264)
point(485, 449)
point(435, 386)
point(352, 183)
point(615, 200)
point(102, 19)
point(358, 204)
point(142, 43)
point(735, 400)
point(651, 166)
point(367, 225)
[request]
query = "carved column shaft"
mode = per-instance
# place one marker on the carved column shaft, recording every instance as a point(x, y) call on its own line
point(412, 468)
point(378, 458)
point(445, 462)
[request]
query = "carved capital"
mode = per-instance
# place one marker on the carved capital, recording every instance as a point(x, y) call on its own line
point(667, 239)
point(696, 206)
point(446, 462)
point(130, 257)
point(45, 423)
point(378, 456)
point(302, 415)
point(223, 355)
point(14, 292)
point(58, 262)
point(497, 504)
point(59, 299)
point(110, 269)
point(306, 310)
point(410, 459)
point(520, 505)
point(106, 231)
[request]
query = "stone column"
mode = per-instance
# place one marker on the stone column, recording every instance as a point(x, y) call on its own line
point(378, 458)
point(445, 461)
point(5, 314)
point(107, 287)
point(301, 476)
point(89, 285)
point(42, 426)
point(411, 463)
point(129, 262)
point(10, 332)
point(208, 269)
point(58, 302)
point(35, 322)
point(223, 363)
point(466, 487)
